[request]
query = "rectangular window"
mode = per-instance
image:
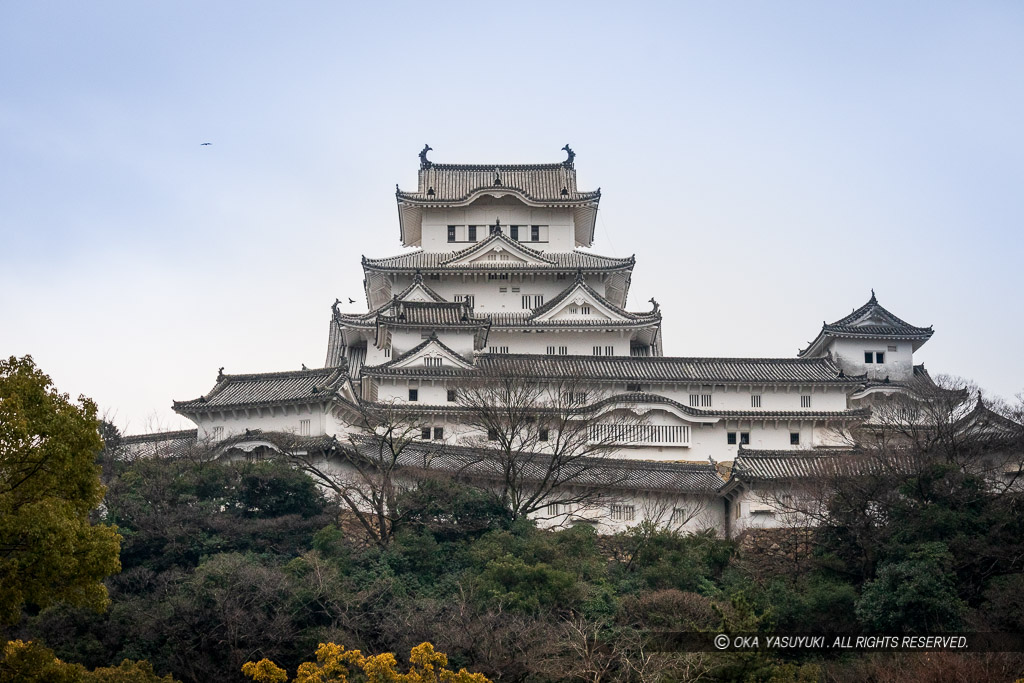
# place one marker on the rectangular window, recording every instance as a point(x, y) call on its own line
point(700, 400)
point(597, 350)
point(755, 401)
point(869, 357)
point(526, 301)
point(542, 435)
point(432, 361)
point(497, 276)
point(879, 357)
point(563, 350)
point(451, 233)
point(438, 433)
point(538, 300)
point(609, 350)
point(515, 290)
point(387, 352)
point(552, 509)
point(805, 401)
point(303, 427)
point(472, 233)
point(217, 433)
point(425, 433)
point(585, 310)
point(678, 515)
point(551, 350)
point(513, 232)
point(892, 349)
point(492, 434)
point(497, 349)
point(794, 438)
point(414, 394)
point(535, 233)
point(623, 513)
point(744, 438)
point(730, 438)
point(453, 395)
point(503, 290)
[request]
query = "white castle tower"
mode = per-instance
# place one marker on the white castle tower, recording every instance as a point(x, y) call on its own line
point(499, 282)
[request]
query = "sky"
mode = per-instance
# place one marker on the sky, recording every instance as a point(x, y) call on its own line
point(767, 163)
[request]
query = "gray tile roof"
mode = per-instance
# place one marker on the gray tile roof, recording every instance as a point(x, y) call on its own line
point(557, 301)
point(266, 389)
point(650, 369)
point(476, 463)
point(890, 327)
point(158, 444)
point(776, 465)
point(546, 183)
point(561, 262)
point(456, 314)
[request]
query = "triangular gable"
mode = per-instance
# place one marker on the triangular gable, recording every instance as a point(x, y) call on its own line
point(418, 291)
point(431, 354)
point(498, 250)
point(871, 313)
point(579, 302)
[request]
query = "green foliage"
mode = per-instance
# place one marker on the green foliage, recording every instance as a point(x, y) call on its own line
point(31, 662)
point(49, 484)
point(175, 512)
point(913, 594)
point(658, 558)
point(511, 582)
point(813, 603)
point(451, 511)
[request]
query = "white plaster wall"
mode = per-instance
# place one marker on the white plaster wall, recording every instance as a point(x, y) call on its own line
point(487, 294)
point(278, 419)
point(577, 343)
point(403, 340)
point(737, 397)
point(747, 511)
point(898, 365)
point(700, 511)
point(558, 233)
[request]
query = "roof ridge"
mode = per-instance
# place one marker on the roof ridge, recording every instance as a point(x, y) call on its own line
point(282, 374)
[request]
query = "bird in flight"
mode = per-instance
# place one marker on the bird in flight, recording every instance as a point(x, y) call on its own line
point(351, 300)
point(204, 144)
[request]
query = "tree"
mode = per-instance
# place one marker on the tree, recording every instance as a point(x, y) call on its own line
point(334, 664)
point(545, 439)
point(30, 662)
point(366, 479)
point(49, 483)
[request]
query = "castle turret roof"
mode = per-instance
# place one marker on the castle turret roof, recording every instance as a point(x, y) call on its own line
point(870, 321)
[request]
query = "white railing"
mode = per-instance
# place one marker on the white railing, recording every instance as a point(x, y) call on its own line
point(627, 435)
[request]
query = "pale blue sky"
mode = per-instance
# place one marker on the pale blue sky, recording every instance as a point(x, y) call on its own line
point(768, 164)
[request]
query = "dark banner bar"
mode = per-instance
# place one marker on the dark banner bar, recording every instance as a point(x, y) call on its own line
point(682, 641)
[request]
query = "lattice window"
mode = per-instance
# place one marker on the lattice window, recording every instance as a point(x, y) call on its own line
point(303, 427)
point(623, 513)
point(755, 401)
point(805, 401)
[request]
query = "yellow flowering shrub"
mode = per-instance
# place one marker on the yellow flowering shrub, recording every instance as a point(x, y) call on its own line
point(334, 664)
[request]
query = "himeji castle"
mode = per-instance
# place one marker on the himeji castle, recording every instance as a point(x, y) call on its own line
point(501, 281)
